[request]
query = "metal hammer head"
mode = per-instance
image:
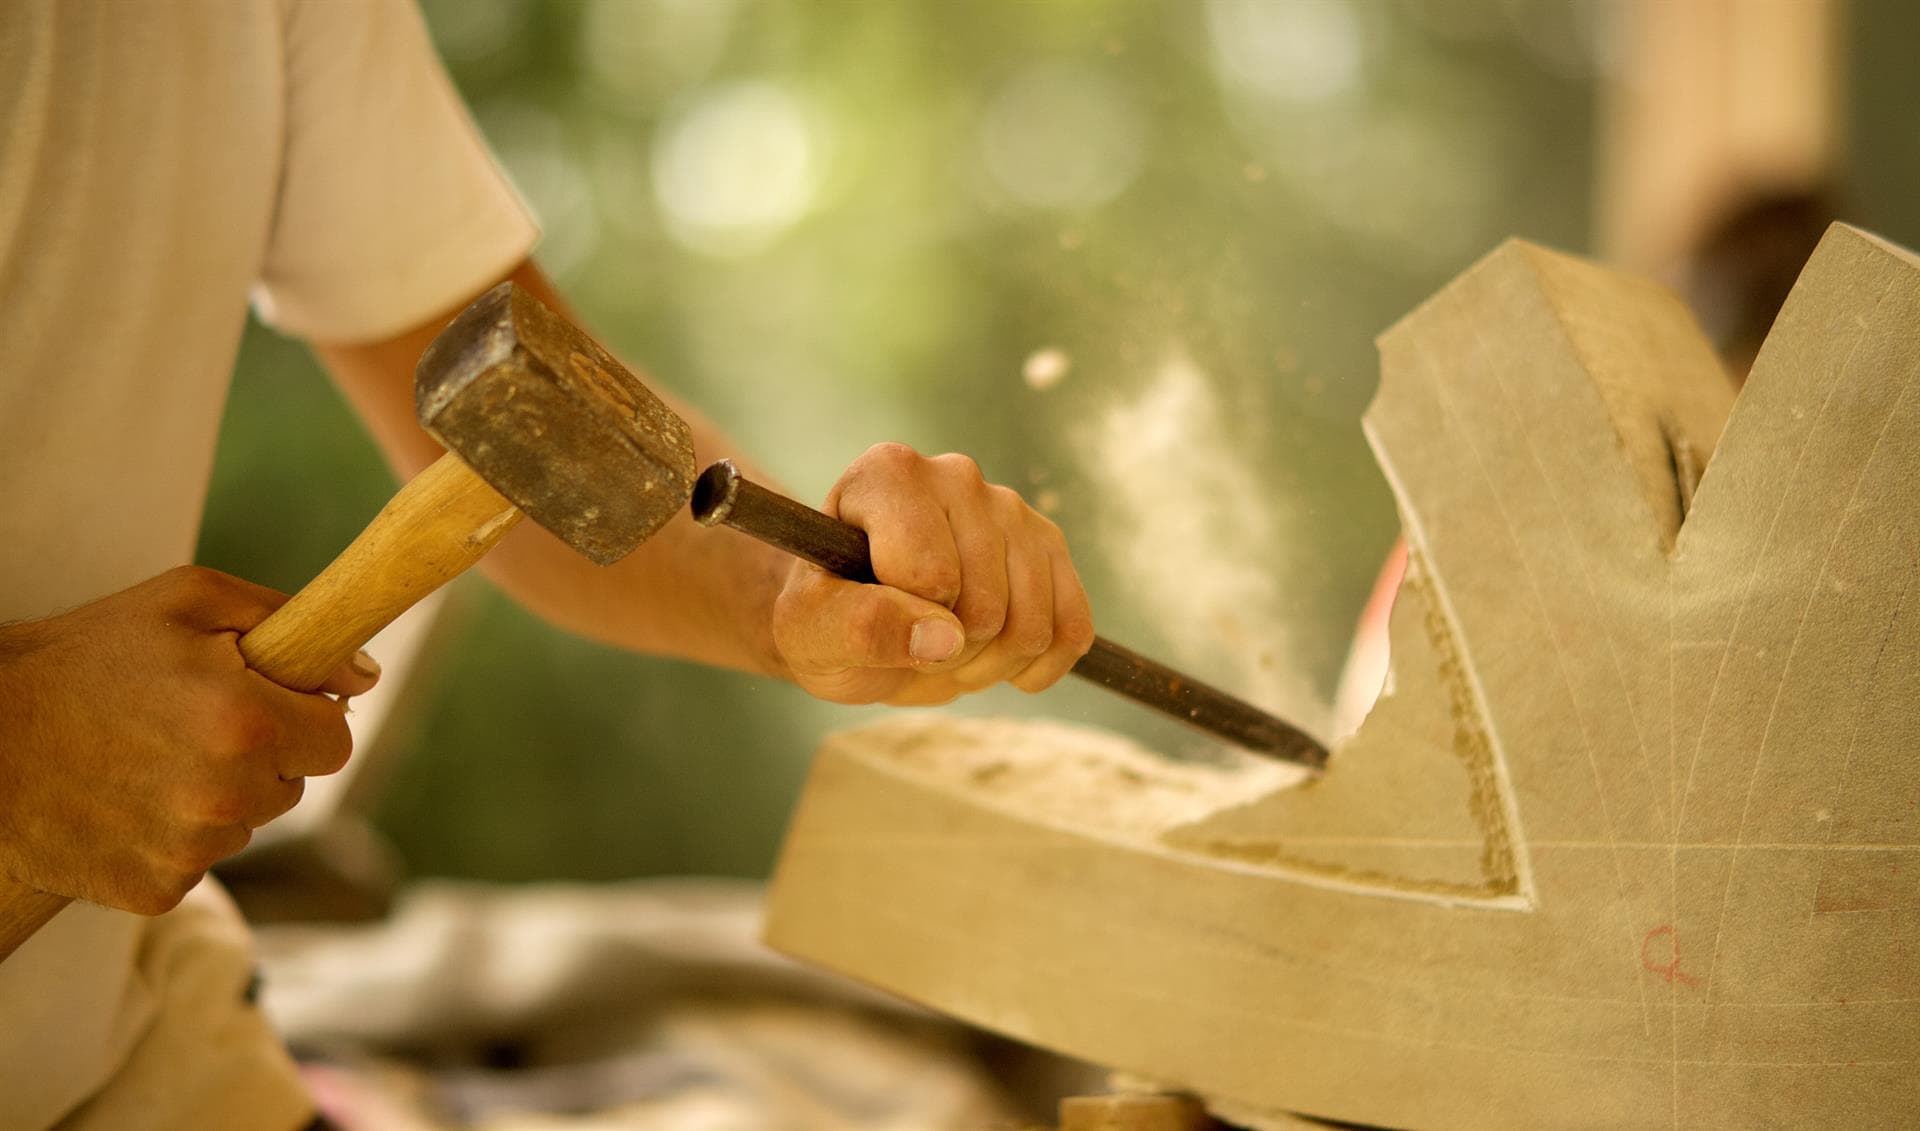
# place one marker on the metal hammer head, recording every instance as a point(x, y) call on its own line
point(555, 424)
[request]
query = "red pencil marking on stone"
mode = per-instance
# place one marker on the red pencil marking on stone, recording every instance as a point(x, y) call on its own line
point(1669, 970)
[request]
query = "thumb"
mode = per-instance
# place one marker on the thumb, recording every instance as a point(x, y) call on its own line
point(355, 677)
point(828, 624)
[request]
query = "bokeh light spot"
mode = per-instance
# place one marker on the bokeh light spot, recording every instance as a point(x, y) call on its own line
point(736, 168)
point(1062, 135)
point(1045, 368)
point(1296, 50)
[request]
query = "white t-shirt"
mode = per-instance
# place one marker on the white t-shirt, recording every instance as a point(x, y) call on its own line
point(159, 164)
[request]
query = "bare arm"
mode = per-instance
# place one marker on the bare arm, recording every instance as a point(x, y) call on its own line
point(979, 588)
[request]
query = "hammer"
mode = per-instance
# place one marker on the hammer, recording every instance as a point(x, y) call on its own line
point(551, 426)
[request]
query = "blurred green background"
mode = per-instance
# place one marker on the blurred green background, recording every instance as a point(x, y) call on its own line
point(1129, 254)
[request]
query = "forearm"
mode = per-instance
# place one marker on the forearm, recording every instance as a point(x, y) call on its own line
point(698, 593)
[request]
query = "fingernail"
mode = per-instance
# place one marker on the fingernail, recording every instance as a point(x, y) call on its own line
point(365, 665)
point(934, 640)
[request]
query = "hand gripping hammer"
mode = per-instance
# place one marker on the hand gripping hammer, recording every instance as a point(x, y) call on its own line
point(546, 424)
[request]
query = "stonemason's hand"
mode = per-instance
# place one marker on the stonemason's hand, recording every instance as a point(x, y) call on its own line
point(137, 748)
point(977, 587)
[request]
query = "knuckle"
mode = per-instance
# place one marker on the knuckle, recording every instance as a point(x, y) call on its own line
point(1007, 502)
point(336, 748)
point(159, 898)
point(182, 584)
point(935, 577)
point(960, 469)
point(196, 583)
point(983, 621)
point(888, 455)
point(322, 751)
point(879, 465)
point(1074, 631)
point(190, 575)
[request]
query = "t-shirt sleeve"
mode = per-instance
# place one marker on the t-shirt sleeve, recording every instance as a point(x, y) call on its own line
point(391, 208)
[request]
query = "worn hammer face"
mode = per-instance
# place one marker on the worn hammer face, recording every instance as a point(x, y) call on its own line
point(555, 424)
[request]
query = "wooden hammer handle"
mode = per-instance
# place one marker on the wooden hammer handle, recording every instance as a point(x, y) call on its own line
point(438, 525)
point(429, 533)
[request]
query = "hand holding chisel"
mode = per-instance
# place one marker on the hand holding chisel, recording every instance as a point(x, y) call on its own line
point(723, 497)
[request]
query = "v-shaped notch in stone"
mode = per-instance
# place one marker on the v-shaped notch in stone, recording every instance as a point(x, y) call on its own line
point(1418, 807)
